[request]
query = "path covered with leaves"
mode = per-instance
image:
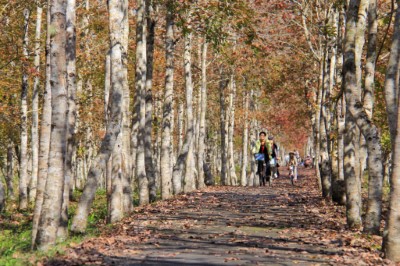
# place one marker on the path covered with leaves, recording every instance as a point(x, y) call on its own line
point(282, 225)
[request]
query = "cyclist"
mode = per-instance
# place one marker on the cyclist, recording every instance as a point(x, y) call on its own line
point(261, 151)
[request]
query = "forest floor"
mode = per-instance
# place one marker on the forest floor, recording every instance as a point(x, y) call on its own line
point(279, 225)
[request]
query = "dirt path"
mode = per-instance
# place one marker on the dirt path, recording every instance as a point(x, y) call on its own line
point(282, 225)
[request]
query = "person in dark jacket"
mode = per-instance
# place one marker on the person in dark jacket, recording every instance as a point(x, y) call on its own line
point(274, 171)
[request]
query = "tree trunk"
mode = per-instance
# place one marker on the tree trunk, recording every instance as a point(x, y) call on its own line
point(44, 143)
point(10, 172)
point(360, 41)
point(52, 203)
point(35, 107)
point(167, 122)
point(119, 30)
point(185, 159)
point(150, 171)
point(2, 196)
point(245, 140)
point(391, 81)
point(23, 167)
point(141, 57)
point(391, 241)
point(70, 50)
point(202, 122)
point(374, 206)
point(224, 162)
point(359, 116)
point(339, 192)
point(324, 159)
point(231, 129)
point(317, 127)
point(367, 128)
point(180, 126)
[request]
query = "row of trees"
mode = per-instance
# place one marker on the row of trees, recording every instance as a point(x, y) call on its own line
point(351, 138)
point(176, 103)
point(171, 127)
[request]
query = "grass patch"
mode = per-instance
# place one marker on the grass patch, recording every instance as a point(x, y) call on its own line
point(16, 230)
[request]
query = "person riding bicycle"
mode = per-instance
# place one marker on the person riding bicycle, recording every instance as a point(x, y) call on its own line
point(274, 157)
point(262, 151)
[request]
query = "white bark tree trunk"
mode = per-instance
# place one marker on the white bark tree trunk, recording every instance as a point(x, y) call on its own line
point(224, 161)
point(202, 122)
point(231, 129)
point(44, 143)
point(150, 171)
point(245, 140)
point(119, 31)
point(35, 106)
point(167, 121)
point(391, 242)
point(52, 203)
point(10, 172)
point(141, 57)
point(186, 158)
point(23, 167)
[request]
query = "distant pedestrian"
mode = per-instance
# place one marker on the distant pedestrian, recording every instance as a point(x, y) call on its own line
point(292, 167)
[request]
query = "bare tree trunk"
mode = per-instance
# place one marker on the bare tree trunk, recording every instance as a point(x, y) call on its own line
point(391, 243)
point(317, 128)
point(52, 203)
point(2, 196)
point(324, 160)
point(185, 159)
point(359, 116)
point(245, 140)
point(141, 58)
point(391, 81)
point(35, 106)
point(372, 218)
point(391, 236)
point(23, 167)
point(224, 162)
point(116, 210)
point(44, 143)
point(231, 129)
point(10, 172)
point(150, 171)
point(180, 126)
point(167, 122)
point(338, 194)
point(202, 122)
point(119, 31)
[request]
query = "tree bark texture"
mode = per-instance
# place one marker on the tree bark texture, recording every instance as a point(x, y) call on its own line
point(167, 120)
point(23, 166)
point(53, 199)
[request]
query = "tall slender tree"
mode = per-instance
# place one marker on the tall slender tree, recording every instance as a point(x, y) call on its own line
point(167, 120)
point(52, 203)
point(35, 105)
point(140, 83)
point(391, 237)
point(23, 158)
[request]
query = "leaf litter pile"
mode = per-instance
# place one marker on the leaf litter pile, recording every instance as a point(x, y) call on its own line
point(279, 225)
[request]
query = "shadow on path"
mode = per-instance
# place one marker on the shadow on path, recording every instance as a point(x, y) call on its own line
point(282, 225)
